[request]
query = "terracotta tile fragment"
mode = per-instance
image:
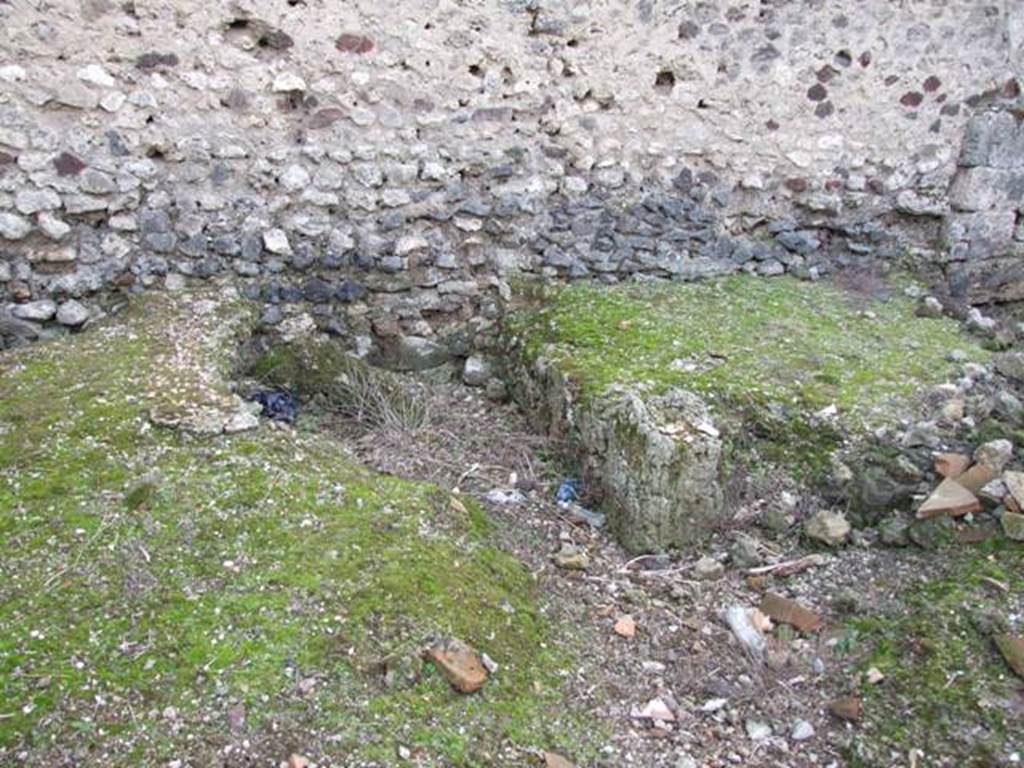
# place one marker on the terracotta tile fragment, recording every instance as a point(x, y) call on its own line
point(847, 708)
point(952, 464)
point(786, 611)
point(977, 477)
point(950, 498)
point(460, 664)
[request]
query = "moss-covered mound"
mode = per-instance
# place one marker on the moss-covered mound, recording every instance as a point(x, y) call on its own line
point(946, 692)
point(790, 368)
point(166, 596)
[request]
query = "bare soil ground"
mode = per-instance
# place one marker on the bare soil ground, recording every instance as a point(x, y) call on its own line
point(724, 700)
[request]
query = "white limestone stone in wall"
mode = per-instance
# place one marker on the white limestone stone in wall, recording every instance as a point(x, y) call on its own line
point(783, 89)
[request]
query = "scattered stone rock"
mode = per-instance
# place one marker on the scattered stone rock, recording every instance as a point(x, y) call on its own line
point(76, 96)
point(67, 164)
point(708, 569)
point(350, 42)
point(294, 178)
point(786, 611)
point(828, 527)
point(655, 709)
point(950, 499)
point(96, 75)
point(625, 626)
point(933, 533)
point(980, 323)
point(297, 327)
point(924, 434)
point(460, 664)
point(1013, 525)
point(848, 708)
point(1008, 407)
point(894, 532)
point(757, 730)
point(497, 391)
point(17, 329)
point(247, 417)
point(60, 255)
point(995, 455)
point(298, 761)
point(745, 552)
point(878, 490)
point(572, 558)
point(743, 628)
point(154, 60)
point(874, 676)
point(503, 498)
point(929, 306)
point(29, 201)
point(802, 731)
point(51, 226)
point(1014, 482)
point(476, 371)
point(906, 470)
point(995, 492)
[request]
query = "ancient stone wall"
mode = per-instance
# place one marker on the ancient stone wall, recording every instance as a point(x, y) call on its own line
point(390, 166)
point(985, 229)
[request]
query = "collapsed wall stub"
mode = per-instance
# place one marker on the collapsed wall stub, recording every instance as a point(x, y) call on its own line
point(382, 175)
point(985, 228)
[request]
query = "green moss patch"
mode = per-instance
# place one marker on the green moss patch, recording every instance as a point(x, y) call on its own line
point(767, 355)
point(153, 583)
point(947, 691)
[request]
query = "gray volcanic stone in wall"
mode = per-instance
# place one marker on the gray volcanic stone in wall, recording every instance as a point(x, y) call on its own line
point(986, 195)
point(800, 241)
point(39, 311)
point(991, 280)
point(156, 230)
point(414, 353)
point(994, 139)
point(72, 314)
point(980, 189)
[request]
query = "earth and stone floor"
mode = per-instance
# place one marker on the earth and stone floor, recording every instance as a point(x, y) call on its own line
point(184, 584)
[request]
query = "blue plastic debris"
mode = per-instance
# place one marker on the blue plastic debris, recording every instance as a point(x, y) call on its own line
point(279, 406)
point(568, 497)
point(569, 490)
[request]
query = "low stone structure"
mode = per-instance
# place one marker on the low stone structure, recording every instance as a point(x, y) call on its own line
point(654, 460)
point(985, 229)
point(663, 394)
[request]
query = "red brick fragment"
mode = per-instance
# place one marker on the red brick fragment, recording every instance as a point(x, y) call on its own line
point(786, 611)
